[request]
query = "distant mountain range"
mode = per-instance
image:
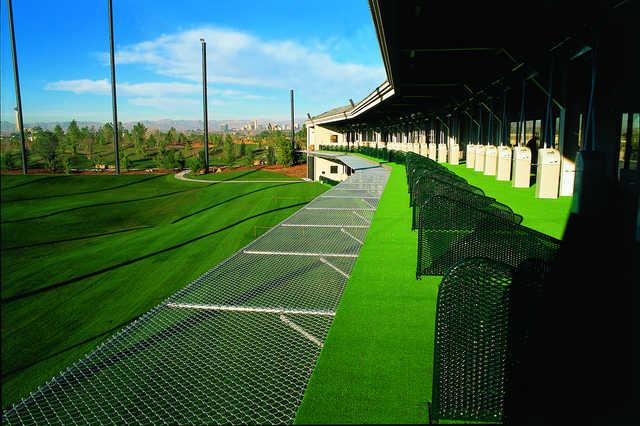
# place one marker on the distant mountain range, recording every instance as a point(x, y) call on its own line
point(7, 127)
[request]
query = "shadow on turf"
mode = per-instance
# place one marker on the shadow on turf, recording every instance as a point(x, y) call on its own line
point(30, 181)
point(86, 237)
point(111, 203)
point(7, 374)
point(228, 200)
point(241, 175)
point(77, 193)
point(232, 178)
point(146, 256)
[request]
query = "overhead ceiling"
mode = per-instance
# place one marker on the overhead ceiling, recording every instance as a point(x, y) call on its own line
point(439, 54)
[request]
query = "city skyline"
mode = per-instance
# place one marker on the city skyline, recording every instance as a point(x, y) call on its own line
point(231, 125)
point(63, 59)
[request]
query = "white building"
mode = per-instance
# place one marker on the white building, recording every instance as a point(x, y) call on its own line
point(328, 166)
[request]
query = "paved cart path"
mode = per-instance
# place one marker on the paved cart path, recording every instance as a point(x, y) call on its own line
point(182, 176)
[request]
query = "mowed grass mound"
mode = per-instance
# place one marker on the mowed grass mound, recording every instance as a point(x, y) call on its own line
point(82, 256)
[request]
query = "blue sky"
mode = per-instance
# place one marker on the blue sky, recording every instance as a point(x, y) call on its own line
point(257, 50)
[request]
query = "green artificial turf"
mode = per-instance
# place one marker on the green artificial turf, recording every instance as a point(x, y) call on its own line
point(82, 256)
point(255, 174)
point(377, 359)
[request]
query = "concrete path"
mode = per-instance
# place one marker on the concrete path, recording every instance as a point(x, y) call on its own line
point(181, 176)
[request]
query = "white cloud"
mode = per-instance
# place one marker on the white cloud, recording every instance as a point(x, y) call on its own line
point(238, 58)
point(247, 74)
point(147, 89)
point(80, 86)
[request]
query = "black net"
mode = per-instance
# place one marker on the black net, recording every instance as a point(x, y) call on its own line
point(451, 230)
point(471, 342)
point(488, 326)
point(431, 186)
point(423, 177)
point(468, 194)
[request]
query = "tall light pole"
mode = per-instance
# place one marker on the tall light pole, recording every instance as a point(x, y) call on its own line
point(16, 80)
point(293, 132)
point(113, 91)
point(204, 105)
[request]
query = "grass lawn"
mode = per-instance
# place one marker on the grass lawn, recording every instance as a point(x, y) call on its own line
point(376, 364)
point(83, 256)
point(255, 174)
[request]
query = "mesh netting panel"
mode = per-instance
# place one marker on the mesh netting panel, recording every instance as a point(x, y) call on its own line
point(471, 198)
point(292, 282)
point(340, 241)
point(336, 218)
point(428, 188)
point(450, 231)
point(355, 193)
point(238, 344)
point(328, 202)
point(184, 366)
point(424, 174)
point(470, 357)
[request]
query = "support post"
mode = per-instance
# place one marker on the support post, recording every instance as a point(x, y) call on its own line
point(116, 131)
point(16, 79)
point(293, 130)
point(205, 112)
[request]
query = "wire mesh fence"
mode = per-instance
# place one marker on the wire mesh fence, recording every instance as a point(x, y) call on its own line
point(239, 343)
point(451, 231)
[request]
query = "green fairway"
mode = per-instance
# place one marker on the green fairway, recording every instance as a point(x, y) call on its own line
point(255, 174)
point(376, 364)
point(84, 255)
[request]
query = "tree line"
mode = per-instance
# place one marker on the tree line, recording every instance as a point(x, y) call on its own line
point(90, 147)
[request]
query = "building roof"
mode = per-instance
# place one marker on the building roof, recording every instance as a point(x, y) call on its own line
point(333, 111)
point(351, 161)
